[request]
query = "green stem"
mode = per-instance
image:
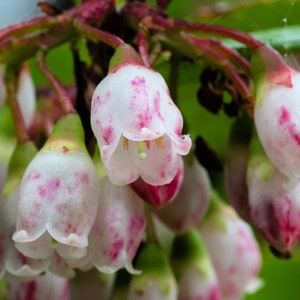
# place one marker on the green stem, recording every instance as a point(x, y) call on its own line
point(64, 99)
point(150, 228)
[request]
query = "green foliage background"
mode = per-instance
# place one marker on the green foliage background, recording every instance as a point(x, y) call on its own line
point(274, 21)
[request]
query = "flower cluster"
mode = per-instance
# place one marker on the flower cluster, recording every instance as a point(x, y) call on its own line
point(102, 193)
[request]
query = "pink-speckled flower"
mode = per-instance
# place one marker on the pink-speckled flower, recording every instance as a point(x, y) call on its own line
point(12, 262)
point(277, 111)
point(58, 197)
point(118, 229)
point(137, 126)
point(192, 201)
point(44, 287)
point(274, 208)
point(233, 250)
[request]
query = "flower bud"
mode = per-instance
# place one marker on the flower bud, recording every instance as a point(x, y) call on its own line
point(58, 194)
point(25, 93)
point(233, 250)
point(137, 125)
point(193, 268)
point(192, 201)
point(118, 229)
point(275, 208)
point(156, 280)
point(46, 287)
point(276, 110)
point(160, 195)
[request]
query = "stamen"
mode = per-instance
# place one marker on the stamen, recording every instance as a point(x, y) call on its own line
point(159, 142)
point(141, 150)
point(147, 144)
point(125, 143)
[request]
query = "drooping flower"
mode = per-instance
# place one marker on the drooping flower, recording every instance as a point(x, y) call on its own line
point(58, 196)
point(277, 112)
point(192, 201)
point(137, 125)
point(274, 208)
point(193, 268)
point(118, 229)
point(233, 250)
point(12, 262)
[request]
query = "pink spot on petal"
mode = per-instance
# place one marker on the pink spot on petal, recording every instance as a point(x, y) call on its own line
point(117, 246)
point(284, 116)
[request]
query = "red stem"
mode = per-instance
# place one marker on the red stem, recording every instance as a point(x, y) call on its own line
point(64, 99)
point(226, 32)
point(97, 34)
point(143, 46)
point(224, 51)
point(12, 86)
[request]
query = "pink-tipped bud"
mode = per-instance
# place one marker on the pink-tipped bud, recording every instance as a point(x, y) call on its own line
point(276, 112)
point(233, 250)
point(192, 201)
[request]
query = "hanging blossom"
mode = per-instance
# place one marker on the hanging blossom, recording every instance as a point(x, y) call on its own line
point(137, 126)
point(276, 112)
point(233, 250)
point(274, 209)
point(117, 232)
point(58, 196)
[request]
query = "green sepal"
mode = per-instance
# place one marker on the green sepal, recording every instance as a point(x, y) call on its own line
point(259, 162)
point(123, 55)
point(67, 135)
point(189, 250)
point(154, 265)
point(267, 66)
point(21, 157)
point(215, 214)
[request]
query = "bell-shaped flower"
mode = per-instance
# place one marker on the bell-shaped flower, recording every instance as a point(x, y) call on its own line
point(193, 268)
point(160, 195)
point(118, 229)
point(137, 125)
point(192, 201)
point(275, 208)
point(58, 195)
point(233, 250)
point(156, 280)
point(46, 287)
point(277, 110)
point(12, 262)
